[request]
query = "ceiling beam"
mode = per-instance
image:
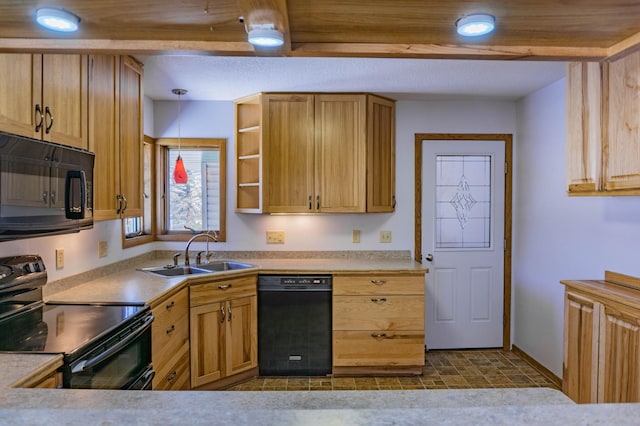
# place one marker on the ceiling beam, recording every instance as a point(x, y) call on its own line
point(434, 51)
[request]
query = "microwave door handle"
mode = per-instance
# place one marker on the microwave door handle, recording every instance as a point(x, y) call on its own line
point(74, 211)
point(86, 364)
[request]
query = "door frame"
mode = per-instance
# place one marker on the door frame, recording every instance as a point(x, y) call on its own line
point(508, 186)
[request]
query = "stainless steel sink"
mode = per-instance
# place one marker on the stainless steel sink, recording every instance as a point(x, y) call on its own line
point(168, 271)
point(207, 268)
point(224, 265)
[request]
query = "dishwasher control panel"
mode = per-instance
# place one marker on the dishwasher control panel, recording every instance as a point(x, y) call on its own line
point(294, 282)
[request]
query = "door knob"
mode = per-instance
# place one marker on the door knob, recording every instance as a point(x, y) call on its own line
point(429, 257)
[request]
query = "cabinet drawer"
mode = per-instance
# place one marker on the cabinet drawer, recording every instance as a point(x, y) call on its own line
point(378, 348)
point(378, 284)
point(167, 338)
point(170, 309)
point(217, 291)
point(175, 375)
point(378, 312)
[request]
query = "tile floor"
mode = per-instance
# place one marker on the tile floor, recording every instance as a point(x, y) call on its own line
point(467, 369)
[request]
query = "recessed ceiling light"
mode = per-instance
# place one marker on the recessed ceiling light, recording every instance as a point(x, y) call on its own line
point(475, 25)
point(266, 37)
point(57, 19)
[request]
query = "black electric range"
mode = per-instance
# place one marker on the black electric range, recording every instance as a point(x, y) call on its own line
point(103, 346)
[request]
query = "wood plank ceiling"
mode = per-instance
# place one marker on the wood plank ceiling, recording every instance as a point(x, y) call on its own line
point(526, 29)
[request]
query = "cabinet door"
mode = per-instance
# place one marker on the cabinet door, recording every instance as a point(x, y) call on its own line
point(620, 363)
point(207, 331)
point(64, 96)
point(103, 141)
point(20, 92)
point(288, 154)
point(622, 163)
point(580, 365)
point(584, 126)
point(242, 337)
point(381, 155)
point(340, 153)
point(130, 119)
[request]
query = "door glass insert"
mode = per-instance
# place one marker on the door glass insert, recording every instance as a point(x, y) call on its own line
point(463, 201)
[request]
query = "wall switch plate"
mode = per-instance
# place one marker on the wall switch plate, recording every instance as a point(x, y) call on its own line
point(59, 258)
point(275, 237)
point(103, 248)
point(355, 235)
point(385, 236)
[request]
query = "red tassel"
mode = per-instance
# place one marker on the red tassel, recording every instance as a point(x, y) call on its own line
point(179, 173)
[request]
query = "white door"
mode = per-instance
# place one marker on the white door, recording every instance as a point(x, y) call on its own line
point(463, 235)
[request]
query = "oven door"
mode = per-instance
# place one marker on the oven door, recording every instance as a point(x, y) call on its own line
point(121, 360)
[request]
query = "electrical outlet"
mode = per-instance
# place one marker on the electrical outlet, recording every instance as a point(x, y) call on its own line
point(385, 236)
point(355, 235)
point(275, 237)
point(59, 258)
point(103, 248)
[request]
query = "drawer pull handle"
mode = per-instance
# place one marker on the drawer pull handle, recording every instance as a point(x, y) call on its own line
point(171, 329)
point(172, 376)
point(229, 310)
point(223, 314)
point(379, 335)
point(170, 305)
point(225, 286)
point(379, 300)
point(378, 282)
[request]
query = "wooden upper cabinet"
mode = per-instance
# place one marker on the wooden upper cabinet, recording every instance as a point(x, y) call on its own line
point(603, 127)
point(318, 153)
point(44, 96)
point(340, 162)
point(288, 163)
point(622, 148)
point(103, 134)
point(18, 93)
point(584, 130)
point(381, 154)
point(130, 136)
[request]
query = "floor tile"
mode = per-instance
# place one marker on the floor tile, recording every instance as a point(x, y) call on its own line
point(443, 369)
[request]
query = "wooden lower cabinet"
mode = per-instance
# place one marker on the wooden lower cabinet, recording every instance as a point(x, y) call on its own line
point(378, 323)
point(170, 342)
point(223, 331)
point(602, 341)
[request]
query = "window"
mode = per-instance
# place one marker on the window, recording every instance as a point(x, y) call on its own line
point(199, 204)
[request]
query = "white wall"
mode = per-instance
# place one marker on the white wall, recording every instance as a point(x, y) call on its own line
point(555, 236)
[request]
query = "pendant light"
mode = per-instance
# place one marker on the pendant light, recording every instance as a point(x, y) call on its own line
point(179, 173)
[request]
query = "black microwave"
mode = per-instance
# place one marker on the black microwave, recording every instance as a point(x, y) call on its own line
point(45, 188)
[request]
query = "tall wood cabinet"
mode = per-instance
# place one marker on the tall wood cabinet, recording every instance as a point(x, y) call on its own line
point(115, 114)
point(601, 361)
point(223, 331)
point(378, 323)
point(44, 96)
point(603, 127)
point(318, 153)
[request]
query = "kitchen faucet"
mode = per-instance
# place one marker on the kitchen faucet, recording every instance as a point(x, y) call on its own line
point(213, 237)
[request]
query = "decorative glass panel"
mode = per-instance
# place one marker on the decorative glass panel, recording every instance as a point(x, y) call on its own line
point(463, 201)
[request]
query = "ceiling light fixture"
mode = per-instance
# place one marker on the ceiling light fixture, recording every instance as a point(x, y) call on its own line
point(179, 172)
point(476, 25)
point(265, 36)
point(57, 19)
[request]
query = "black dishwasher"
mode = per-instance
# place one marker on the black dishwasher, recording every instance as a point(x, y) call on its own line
point(294, 325)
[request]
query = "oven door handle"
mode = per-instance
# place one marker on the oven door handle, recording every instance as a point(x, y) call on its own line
point(86, 364)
